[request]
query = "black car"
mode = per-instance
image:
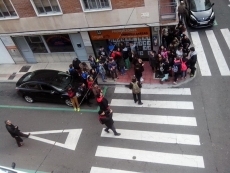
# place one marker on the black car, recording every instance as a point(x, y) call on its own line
point(46, 85)
point(199, 13)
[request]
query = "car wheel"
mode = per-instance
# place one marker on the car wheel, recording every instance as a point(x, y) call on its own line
point(28, 99)
point(68, 103)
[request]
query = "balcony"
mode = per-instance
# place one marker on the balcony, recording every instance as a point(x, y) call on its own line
point(167, 11)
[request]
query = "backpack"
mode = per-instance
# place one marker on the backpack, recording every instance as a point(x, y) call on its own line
point(175, 68)
point(136, 88)
point(183, 66)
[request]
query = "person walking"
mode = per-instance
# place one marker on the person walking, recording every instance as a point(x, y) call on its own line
point(15, 132)
point(106, 117)
point(102, 71)
point(102, 102)
point(73, 98)
point(181, 11)
point(192, 61)
point(135, 86)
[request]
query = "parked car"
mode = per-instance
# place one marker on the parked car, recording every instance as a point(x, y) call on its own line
point(199, 13)
point(9, 170)
point(46, 85)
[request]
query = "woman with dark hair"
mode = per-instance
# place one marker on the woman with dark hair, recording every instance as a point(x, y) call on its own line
point(93, 74)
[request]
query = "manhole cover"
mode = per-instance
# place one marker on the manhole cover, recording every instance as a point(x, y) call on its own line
point(25, 69)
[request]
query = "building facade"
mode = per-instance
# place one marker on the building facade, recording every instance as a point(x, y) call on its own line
point(46, 31)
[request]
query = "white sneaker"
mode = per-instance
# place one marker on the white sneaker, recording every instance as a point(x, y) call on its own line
point(174, 83)
point(141, 79)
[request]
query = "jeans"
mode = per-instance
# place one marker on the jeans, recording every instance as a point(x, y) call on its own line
point(184, 73)
point(137, 97)
point(112, 128)
point(166, 77)
point(122, 70)
point(176, 76)
point(74, 101)
point(114, 73)
point(102, 76)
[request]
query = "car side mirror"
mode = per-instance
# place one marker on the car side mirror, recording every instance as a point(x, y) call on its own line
point(52, 92)
point(213, 4)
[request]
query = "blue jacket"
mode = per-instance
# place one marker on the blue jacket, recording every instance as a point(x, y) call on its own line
point(112, 64)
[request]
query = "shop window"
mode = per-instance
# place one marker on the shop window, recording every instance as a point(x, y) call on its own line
point(36, 44)
point(7, 10)
point(59, 43)
point(46, 7)
point(95, 5)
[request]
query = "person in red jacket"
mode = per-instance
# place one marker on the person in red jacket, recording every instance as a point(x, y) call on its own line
point(73, 98)
point(102, 102)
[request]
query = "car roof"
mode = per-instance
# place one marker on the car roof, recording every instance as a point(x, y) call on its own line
point(45, 76)
point(9, 169)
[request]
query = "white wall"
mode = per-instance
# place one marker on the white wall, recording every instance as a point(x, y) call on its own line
point(5, 57)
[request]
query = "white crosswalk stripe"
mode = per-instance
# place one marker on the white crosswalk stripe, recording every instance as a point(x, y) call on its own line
point(155, 119)
point(106, 170)
point(150, 156)
point(154, 104)
point(202, 60)
point(226, 34)
point(216, 50)
point(159, 91)
point(151, 136)
point(221, 62)
point(155, 137)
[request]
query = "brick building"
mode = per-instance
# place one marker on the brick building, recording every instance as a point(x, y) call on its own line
point(33, 31)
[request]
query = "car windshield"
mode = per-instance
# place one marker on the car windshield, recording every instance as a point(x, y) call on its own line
point(61, 80)
point(200, 5)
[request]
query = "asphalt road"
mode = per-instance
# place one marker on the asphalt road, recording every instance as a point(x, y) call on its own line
point(209, 95)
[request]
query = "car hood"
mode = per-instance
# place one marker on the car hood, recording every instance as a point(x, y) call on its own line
point(202, 15)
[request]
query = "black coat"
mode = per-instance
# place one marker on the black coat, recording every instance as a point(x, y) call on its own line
point(103, 103)
point(14, 131)
point(107, 119)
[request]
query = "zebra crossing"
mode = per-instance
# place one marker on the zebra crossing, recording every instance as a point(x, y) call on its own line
point(108, 151)
point(216, 51)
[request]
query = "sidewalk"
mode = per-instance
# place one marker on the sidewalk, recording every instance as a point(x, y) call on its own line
point(12, 72)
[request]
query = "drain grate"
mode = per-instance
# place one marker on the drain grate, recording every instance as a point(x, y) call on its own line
point(12, 76)
point(25, 69)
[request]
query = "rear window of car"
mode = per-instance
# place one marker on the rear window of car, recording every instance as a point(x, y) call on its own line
point(200, 5)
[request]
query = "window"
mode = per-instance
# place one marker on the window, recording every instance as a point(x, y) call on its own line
point(46, 7)
point(7, 9)
point(36, 44)
point(32, 86)
point(59, 43)
point(46, 88)
point(96, 5)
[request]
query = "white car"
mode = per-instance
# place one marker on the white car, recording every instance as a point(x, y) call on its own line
point(9, 170)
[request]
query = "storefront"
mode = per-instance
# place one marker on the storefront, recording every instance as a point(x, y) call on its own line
point(139, 36)
point(51, 47)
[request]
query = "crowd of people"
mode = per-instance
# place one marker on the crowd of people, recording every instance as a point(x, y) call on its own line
point(174, 56)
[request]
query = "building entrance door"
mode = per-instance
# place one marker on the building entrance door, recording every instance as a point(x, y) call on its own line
point(25, 49)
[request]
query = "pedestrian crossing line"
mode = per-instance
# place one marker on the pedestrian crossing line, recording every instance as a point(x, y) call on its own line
point(153, 104)
point(107, 170)
point(155, 119)
point(172, 138)
point(221, 63)
point(202, 60)
point(226, 34)
point(167, 91)
point(150, 156)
